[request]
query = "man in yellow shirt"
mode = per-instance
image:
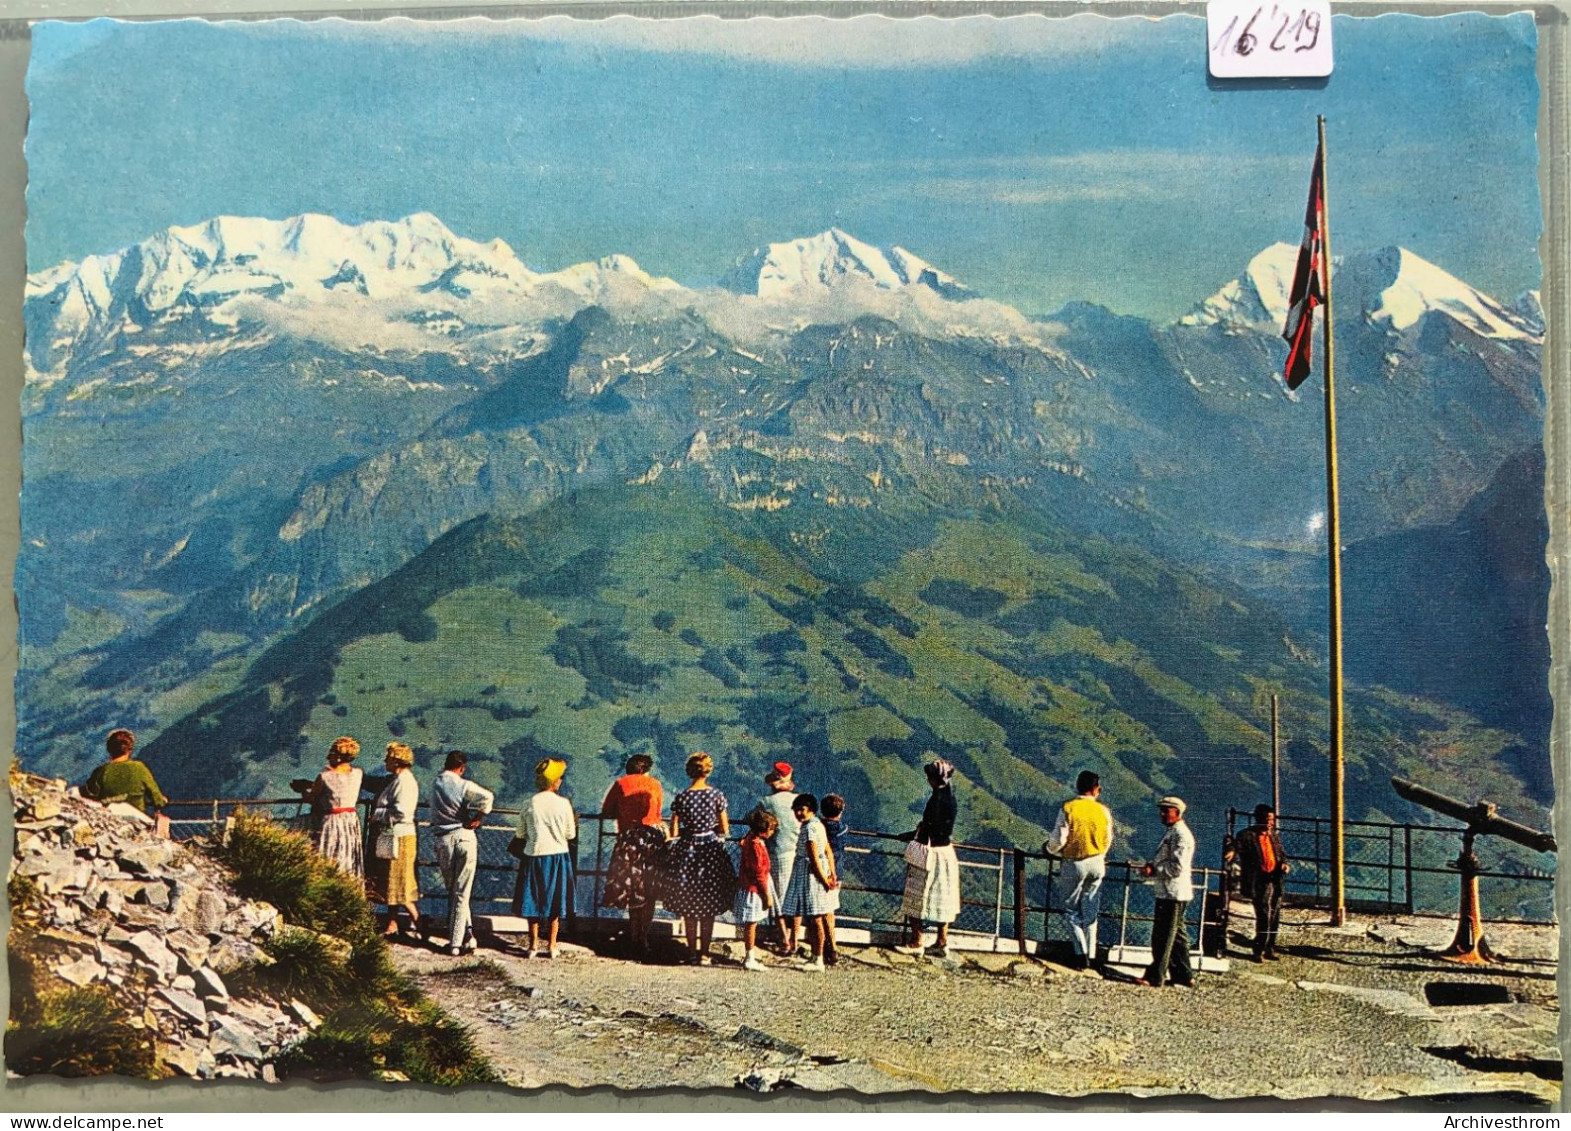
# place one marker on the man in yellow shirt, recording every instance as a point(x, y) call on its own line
point(1080, 839)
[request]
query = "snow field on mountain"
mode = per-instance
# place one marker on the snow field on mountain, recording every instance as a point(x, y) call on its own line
point(1391, 285)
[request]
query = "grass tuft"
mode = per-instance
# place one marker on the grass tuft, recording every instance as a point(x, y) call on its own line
point(435, 1049)
point(305, 966)
point(280, 866)
point(375, 1019)
point(23, 894)
point(362, 1039)
point(74, 1031)
point(79, 1032)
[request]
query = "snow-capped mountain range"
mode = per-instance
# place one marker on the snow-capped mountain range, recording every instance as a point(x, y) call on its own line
point(831, 259)
point(205, 269)
point(414, 284)
point(234, 425)
point(1393, 286)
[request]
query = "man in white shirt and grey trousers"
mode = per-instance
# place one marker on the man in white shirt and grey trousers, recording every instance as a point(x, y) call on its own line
point(1170, 873)
point(457, 809)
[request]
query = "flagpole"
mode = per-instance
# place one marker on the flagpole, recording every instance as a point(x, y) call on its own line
point(1276, 757)
point(1334, 545)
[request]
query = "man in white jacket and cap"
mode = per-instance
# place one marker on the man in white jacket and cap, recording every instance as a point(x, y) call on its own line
point(1169, 870)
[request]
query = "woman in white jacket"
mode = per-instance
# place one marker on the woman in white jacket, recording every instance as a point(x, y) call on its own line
point(547, 827)
point(390, 870)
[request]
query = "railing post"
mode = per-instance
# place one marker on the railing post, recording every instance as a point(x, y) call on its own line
point(1391, 868)
point(1020, 899)
point(1047, 898)
point(1200, 933)
point(572, 906)
point(599, 863)
point(1319, 874)
point(1123, 922)
point(998, 900)
point(1407, 855)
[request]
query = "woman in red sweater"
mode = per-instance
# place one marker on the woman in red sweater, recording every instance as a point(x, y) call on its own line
point(635, 800)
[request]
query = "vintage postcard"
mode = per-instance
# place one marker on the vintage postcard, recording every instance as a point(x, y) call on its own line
point(786, 553)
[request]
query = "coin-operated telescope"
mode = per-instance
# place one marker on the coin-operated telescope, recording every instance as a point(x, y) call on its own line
point(1481, 820)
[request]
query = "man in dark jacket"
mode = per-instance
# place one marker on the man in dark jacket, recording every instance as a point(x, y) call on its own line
point(1262, 868)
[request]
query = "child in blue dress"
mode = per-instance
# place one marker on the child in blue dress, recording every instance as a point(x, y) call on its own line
point(813, 894)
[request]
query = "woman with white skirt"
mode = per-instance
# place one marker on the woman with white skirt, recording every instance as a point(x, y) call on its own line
point(932, 887)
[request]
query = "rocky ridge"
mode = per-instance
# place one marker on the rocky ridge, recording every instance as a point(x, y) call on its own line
point(111, 903)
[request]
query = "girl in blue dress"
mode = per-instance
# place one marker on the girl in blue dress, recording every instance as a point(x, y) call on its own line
point(814, 894)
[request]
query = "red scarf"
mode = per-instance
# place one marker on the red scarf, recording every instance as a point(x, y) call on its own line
point(1267, 852)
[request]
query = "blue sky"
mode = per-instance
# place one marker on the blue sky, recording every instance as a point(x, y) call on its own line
point(1038, 160)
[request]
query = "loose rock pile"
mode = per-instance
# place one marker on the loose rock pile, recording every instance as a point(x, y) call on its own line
point(118, 905)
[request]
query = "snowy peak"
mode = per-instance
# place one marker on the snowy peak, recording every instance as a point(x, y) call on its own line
point(1398, 288)
point(388, 267)
point(833, 259)
point(605, 277)
point(1391, 287)
point(1256, 300)
point(204, 266)
point(1529, 307)
point(232, 255)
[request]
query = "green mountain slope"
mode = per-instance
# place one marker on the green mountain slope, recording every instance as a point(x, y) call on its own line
point(657, 619)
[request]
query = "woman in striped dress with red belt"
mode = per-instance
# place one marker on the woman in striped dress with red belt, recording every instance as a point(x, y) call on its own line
point(333, 797)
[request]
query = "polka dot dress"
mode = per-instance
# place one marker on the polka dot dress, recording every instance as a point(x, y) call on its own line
point(701, 881)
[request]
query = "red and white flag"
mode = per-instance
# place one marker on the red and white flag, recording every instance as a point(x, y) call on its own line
point(1306, 293)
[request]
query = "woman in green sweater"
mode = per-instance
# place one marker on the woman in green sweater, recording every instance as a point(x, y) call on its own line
point(121, 779)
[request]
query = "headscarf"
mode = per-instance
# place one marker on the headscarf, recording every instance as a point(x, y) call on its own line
point(549, 771)
point(400, 754)
point(940, 771)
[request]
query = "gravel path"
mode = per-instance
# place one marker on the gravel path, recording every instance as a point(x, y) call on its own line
point(1343, 1014)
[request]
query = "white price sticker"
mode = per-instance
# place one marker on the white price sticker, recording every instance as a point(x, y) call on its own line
point(1269, 39)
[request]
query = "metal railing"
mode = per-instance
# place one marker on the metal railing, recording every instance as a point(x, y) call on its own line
point(1400, 867)
point(1006, 894)
point(206, 816)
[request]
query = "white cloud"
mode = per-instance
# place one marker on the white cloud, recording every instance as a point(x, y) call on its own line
point(1096, 177)
point(513, 323)
point(749, 319)
point(805, 41)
